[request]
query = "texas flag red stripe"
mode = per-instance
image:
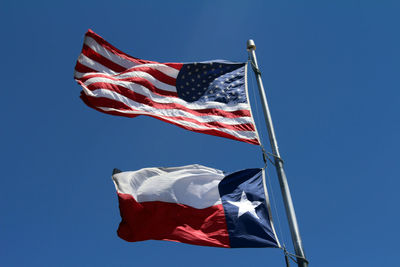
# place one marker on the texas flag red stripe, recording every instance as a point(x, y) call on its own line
point(157, 220)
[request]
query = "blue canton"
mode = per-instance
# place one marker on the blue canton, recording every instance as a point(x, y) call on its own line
point(212, 81)
point(247, 229)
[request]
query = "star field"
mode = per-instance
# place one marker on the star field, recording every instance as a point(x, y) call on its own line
point(212, 81)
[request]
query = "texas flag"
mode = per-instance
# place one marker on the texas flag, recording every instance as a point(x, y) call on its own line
point(197, 205)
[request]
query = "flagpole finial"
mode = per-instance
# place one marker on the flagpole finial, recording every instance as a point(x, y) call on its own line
point(251, 45)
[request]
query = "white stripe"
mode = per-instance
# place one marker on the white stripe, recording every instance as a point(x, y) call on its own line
point(250, 135)
point(193, 185)
point(130, 85)
point(171, 72)
point(89, 41)
point(84, 60)
point(212, 105)
point(168, 112)
point(167, 70)
point(166, 100)
point(78, 75)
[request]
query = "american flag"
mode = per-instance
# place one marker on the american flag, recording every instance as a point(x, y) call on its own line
point(205, 97)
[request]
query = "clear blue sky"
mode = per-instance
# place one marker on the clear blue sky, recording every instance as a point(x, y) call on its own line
point(331, 71)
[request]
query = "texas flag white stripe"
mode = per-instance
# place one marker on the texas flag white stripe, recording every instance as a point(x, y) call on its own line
point(193, 185)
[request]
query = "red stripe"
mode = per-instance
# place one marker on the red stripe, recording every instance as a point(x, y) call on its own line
point(139, 98)
point(110, 103)
point(177, 66)
point(98, 101)
point(214, 132)
point(83, 69)
point(162, 77)
point(123, 55)
point(90, 53)
point(135, 80)
point(151, 87)
point(91, 102)
point(115, 50)
point(172, 222)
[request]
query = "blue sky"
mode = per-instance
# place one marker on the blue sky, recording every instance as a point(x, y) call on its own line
point(330, 70)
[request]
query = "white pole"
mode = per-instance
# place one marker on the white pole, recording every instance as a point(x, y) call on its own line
point(287, 199)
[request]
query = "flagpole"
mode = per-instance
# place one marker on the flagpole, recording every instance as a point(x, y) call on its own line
point(287, 199)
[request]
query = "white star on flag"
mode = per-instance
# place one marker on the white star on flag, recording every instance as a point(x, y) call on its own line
point(246, 205)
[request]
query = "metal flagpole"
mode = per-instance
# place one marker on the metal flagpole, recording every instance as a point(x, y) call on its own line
point(287, 199)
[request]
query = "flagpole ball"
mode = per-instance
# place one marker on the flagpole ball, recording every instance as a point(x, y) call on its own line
point(251, 45)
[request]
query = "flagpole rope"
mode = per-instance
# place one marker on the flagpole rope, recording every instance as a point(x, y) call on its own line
point(288, 255)
point(264, 153)
point(275, 157)
point(286, 197)
point(272, 158)
point(275, 208)
point(292, 256)
point(266, 157)
point(255, 69)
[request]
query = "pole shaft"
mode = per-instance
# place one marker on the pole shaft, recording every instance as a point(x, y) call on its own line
point(287, 199)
